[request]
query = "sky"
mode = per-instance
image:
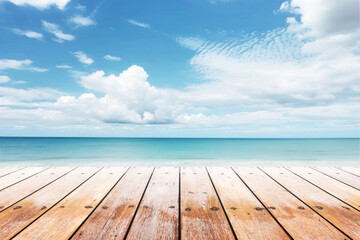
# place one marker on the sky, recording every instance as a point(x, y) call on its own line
point(204, 68)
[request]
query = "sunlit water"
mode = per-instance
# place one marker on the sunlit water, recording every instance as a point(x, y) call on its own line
point(177, 151)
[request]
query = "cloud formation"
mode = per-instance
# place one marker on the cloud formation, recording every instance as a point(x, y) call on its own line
point(111, 58)
point(64, 66)
point(28, 33)
point(57, 32)
point(83, 58)
point(4, 79)
point(41, 4)
point(19, 65)
point(139, 24)
point(81, 21)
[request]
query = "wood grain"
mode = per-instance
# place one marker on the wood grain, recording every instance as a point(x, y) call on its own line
point(335, 211)
point(8, 170)
point(339, 175)
point(112, 217)
point(240, 205)
point(299, 220)
point(340, 190)
point(353, 170)
point(157, 216)
point(18, 176)
point(18, 191)
point(14, 219)
point(61, 221)
point(202, 216)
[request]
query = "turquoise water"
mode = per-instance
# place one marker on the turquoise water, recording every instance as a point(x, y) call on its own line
point(177, 151)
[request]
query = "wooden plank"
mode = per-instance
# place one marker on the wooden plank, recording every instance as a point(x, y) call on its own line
point(18, 191)
point(338, 189)
point(157, 216)
point(14, 219)
point(18, 176)
point(299, 220)
point(113, 216)
point(335, 211)
point(240, 205)
point(61, 221)
point(8, 170)
point(202, 216)
point(353, 170)
point(342, 176)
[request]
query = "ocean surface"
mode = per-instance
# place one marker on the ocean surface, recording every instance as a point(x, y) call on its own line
point(177, 151)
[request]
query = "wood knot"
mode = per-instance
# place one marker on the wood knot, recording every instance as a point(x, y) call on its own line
point(172, 207)
point(144, 206)
point(259, 208)
point(347, 208)
point(319, 207)
point(1, 207)
point(204, 192)
point(88, 206)
point(105, 207)
point(131, 206)
point(187, 209)
point(214, 208)
point(43, 207)
point(301, 208)
point(17, 207)
point(272, 207)
point(233, 208)
point(62, 206)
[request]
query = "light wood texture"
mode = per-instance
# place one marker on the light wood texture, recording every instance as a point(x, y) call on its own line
point(335, 211)
point(202, 216)
point(353, 170)
point(18, 191)
point(298, 220)
point(112, 217)
point(8, 170)
point(14, 219)
point(62, 221)
point(157, 217)
point(340, 175)
point(18, 176)
point(240, 205)
point(330, 185)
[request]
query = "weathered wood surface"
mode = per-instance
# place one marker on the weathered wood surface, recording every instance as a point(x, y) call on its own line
point(8, 170)
point(330, 185)
point(18, 176)
point(16, 218)
point(112, 217)
point(18, 191)
point(157, 217)
point(62, 220)
point(299, 220)
point(339, 175)
point(335, 211)
point(353, 170)
point(202, 216)
point(179, 203)
point(240, 205)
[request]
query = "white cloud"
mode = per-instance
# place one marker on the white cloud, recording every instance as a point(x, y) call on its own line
point(4, 79)
point(64, 66)
point(83, 58)
point(128, 98)
point(55, 30)
point(139, 24)
point(80, 7)
point(41, 4)
point(28, 33)
point(111, 58)
point(81, 21)
point(19, 65)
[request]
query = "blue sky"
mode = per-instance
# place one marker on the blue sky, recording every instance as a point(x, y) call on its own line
point(207, 68)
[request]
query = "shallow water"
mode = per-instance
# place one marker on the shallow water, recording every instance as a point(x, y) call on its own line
point(177, 151)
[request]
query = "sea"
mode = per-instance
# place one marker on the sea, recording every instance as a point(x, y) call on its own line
point(64, 151)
